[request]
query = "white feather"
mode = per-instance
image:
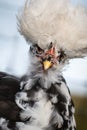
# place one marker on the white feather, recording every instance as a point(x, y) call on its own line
point(22, 126)
point(40, 113)
point(4, 124)
point(56, 21)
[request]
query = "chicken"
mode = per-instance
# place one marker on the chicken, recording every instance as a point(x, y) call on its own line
point(56, 32)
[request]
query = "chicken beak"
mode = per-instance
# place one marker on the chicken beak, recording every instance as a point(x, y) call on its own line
point(47, 64)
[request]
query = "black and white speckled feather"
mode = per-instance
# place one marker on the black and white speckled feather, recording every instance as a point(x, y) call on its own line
point(46, 108)
point(41, 100)
point(42, 104)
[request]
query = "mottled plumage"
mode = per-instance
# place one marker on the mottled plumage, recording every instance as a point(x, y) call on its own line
point(46, 108)
point(41, 100)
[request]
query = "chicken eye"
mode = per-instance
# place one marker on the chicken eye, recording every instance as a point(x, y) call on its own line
point(39, 50)
point(35, 49)
point(61, 55)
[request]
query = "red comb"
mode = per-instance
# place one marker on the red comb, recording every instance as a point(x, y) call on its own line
point(51, 51)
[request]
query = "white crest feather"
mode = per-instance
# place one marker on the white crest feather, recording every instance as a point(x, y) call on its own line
point(45, 21)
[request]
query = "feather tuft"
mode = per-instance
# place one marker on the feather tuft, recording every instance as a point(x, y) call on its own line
point(55, 21)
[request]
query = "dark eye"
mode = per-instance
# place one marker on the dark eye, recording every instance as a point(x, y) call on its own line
point(61, 55)
point(35, 49)
point(39, 50)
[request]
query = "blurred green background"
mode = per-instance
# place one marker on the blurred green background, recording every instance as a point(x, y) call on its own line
point(81, 112)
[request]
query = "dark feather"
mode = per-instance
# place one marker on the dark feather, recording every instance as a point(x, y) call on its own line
point(9, 86)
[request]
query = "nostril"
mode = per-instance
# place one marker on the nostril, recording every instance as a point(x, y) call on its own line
point(49, 58)
point(43, 59)
point(46, 58)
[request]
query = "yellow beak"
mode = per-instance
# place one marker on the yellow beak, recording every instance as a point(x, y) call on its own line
point(47, 64)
